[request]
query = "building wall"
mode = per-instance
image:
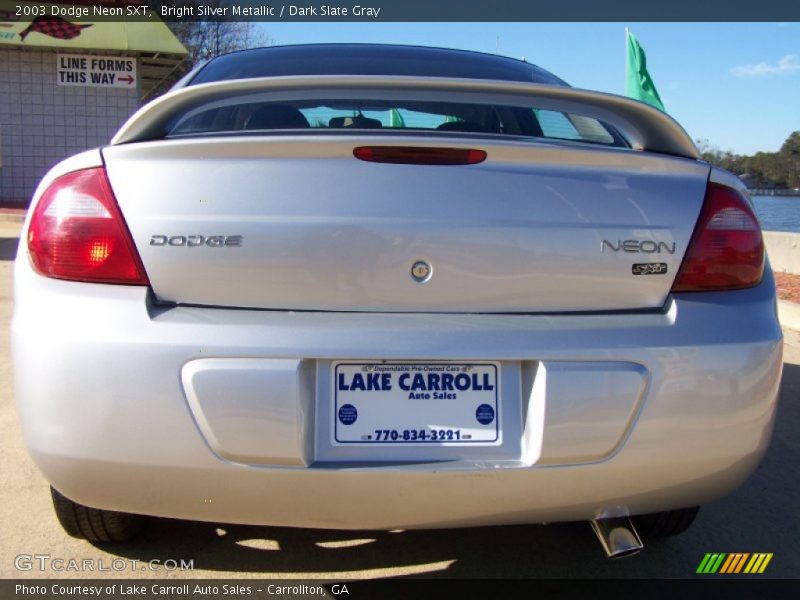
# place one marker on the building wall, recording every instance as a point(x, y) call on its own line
point(42, 123)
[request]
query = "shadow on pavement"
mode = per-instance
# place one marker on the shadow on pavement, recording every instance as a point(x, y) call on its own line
point(511, 551)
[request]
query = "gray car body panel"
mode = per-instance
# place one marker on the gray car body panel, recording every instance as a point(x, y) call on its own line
point(112, 416)
point(521, 232)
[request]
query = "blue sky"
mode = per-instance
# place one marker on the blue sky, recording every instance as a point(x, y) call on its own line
point(735, 84)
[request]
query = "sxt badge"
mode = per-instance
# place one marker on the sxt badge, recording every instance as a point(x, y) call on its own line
point(649, 269)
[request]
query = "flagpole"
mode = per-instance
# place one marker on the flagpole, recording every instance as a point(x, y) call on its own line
point(626, 62)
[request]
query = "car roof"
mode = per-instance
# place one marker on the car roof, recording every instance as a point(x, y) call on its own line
point(370, 59)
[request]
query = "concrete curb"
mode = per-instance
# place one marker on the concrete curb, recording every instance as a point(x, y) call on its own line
point(783, 249)
point(10, 229)
point(789, 314)
point(11, 217)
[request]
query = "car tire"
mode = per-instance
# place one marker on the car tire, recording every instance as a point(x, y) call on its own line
point(94, 524)
point(665, 524)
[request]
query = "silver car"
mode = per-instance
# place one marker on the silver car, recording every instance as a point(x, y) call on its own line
point(380, 287)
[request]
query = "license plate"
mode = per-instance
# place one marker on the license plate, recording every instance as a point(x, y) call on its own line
point(416, 403)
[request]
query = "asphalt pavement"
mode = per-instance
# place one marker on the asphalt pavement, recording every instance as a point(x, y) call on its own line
point(761, 516)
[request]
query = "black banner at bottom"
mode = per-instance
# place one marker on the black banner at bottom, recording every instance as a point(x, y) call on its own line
point(257, 589)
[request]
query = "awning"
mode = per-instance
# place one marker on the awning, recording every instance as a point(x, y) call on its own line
point(151, 36)
point(159, 50)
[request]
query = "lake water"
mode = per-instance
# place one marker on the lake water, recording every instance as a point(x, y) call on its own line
point(778, 213)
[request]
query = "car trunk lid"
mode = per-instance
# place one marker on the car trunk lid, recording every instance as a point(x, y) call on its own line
point(298, 222)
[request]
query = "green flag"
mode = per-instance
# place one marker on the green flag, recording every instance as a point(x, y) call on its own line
point(396, 119)
point(639, 84)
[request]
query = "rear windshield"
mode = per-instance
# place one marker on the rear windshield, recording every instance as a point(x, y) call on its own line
point(398, 116)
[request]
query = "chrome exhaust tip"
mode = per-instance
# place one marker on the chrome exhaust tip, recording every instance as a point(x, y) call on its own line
point(617, 536)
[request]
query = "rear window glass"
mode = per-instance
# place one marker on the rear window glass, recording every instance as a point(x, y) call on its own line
point(336, 115)
point(369, 59)
point(565, 126)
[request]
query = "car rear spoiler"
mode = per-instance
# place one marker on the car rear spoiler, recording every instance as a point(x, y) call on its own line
point(645, 127)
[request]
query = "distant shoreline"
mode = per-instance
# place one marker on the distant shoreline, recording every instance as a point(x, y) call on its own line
point(771, 192)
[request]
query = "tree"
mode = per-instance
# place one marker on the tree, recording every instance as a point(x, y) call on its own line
point(790, 153)
point(764, 169)
point(207, 39)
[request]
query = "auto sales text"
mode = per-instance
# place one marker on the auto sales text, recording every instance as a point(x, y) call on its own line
point(382, 382)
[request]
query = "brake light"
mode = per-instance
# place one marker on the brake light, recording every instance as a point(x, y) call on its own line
point(726, 251)
point(409, 155)
point(77, 232)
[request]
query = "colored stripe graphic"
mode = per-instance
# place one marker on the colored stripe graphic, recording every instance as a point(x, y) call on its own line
point(758, 563)
point(734, 563)
point(711, 562)
point(765, 563)
point(703, 564)
point(741, 562)
point(727, 564)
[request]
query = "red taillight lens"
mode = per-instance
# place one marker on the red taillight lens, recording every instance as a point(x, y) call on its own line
point(726, 251)
point(77, 232)
point(408, 155)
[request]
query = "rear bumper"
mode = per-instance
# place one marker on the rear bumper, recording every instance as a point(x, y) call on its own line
point(110, 417)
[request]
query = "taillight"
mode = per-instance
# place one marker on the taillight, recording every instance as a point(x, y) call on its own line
point(726, 251)
point(409, 155)
point(77, 232)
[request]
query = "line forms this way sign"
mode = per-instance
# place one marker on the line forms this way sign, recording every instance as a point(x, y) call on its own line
point(96, 71)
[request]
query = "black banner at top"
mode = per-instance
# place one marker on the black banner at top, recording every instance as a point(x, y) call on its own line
point(406, 10)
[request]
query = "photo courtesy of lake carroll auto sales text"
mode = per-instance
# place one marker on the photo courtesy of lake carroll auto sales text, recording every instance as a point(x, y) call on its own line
point(399, 299)
point(181, 590)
